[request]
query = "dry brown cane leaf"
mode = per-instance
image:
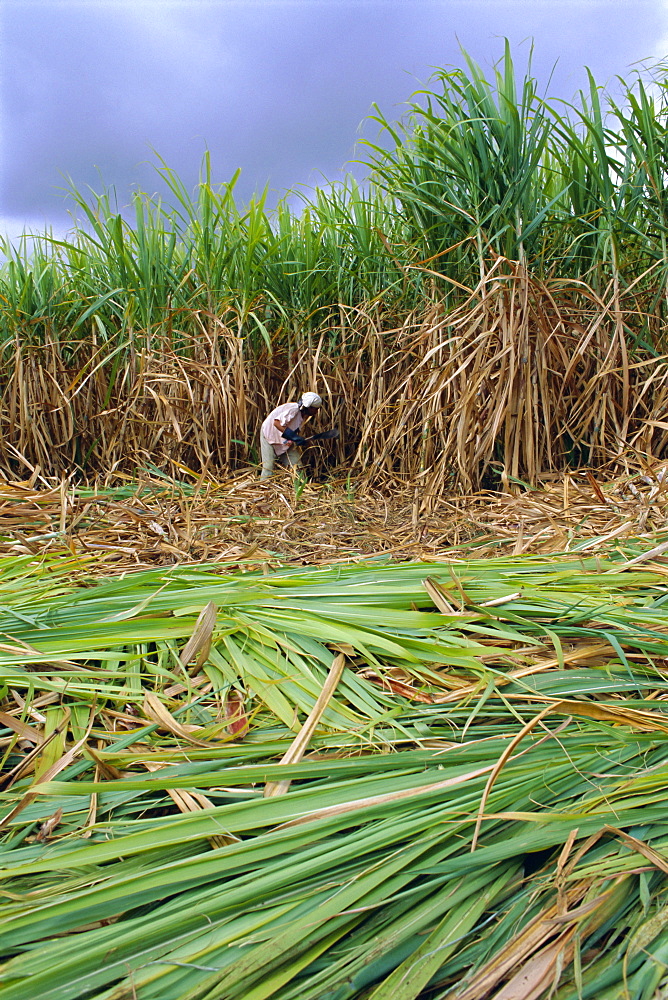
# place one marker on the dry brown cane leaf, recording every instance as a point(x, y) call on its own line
point(156, 712)
point(199, 642)
point(23, 730)
point(189, 802)
point(52, 772)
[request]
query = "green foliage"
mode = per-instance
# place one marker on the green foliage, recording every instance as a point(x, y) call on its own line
point(479, 168)
point(487, 841)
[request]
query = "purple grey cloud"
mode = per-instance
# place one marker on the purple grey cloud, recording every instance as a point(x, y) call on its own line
point(276, 87)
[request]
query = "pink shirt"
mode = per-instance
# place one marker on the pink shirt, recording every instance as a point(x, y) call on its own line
point(288, 415)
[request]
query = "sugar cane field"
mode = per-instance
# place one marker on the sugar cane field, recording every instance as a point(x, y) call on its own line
point(388, 725)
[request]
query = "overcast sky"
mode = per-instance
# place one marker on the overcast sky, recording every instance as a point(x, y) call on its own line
point(276, 87)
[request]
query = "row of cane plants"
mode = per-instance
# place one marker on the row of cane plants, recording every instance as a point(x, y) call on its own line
point(481, 802)
point(493, 296)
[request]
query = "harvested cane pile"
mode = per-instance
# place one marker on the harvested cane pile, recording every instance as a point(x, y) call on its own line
point(366, 781)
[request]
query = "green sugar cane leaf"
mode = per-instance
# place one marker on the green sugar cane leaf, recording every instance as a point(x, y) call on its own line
point(308, 683)
point(614, 642)
point(364, 639)
point(482, 700)
point(642, 938)
point(556, 642)
point(225, 668)
point(135, 611)
point(273, 980)
point(408, 979)
point(191, 955)
point(260, 682)
point(288, 943)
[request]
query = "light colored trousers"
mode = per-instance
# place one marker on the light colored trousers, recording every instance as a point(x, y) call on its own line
point(292, 458)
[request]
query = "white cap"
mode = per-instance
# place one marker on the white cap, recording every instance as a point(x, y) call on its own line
point(311, 400)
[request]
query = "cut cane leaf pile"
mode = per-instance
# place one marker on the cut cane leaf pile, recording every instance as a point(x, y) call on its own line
point(476, 800)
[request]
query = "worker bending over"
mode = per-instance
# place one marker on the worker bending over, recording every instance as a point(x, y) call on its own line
point(280, 438)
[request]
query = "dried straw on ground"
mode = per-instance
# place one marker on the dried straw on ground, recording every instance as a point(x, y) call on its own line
point(163, 522)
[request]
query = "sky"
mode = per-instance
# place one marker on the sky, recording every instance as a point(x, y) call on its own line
point(92, 90)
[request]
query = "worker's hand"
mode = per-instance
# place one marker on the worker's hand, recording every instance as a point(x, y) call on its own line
point(292, 436)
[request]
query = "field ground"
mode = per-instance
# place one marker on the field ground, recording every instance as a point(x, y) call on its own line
point(159, 521)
